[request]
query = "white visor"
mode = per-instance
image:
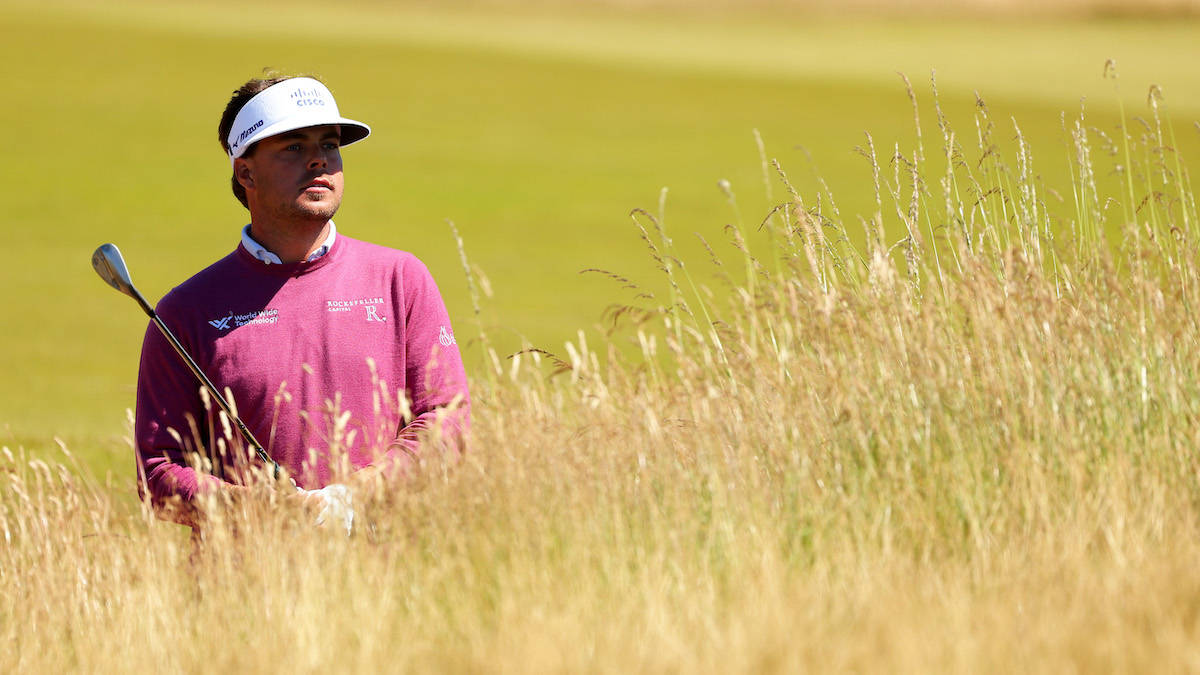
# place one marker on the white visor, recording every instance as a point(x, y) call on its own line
point(293, 104)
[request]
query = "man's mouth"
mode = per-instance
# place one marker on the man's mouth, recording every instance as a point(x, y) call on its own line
point(319, 184)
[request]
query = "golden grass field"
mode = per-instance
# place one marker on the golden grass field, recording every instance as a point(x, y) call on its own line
point(1002, 8)
point(958, 434)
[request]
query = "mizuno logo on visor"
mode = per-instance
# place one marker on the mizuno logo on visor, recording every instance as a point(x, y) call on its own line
point(246, 134)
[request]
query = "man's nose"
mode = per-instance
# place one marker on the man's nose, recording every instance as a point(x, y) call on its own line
point(318, 160)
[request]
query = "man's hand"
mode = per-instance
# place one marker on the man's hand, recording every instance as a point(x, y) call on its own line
point(335, 505)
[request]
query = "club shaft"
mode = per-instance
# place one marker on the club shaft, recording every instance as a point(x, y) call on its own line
point(195, 368)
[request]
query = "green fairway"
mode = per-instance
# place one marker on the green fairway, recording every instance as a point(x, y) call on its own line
point(535, 134)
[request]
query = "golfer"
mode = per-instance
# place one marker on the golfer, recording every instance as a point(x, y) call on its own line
point(314, 333)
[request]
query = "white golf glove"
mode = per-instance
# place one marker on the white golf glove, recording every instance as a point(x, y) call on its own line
point(337, 506)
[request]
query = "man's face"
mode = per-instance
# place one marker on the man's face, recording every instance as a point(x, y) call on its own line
point(296, 176)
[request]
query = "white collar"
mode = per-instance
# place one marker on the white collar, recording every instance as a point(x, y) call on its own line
point(259, 251)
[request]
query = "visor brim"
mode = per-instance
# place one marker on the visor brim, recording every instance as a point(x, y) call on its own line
point(352, 131)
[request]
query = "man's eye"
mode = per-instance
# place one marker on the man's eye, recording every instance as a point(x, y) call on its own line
point(293, 146)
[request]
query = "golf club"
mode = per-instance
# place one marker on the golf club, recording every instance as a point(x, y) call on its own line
point(109, 264)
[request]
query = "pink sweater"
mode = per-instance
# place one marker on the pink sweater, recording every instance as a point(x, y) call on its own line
point(295, 345)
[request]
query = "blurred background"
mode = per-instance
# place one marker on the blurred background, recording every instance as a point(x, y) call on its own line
point(535, 126)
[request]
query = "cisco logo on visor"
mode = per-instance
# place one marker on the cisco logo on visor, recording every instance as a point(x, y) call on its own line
point(294, 103)
point(307, 97)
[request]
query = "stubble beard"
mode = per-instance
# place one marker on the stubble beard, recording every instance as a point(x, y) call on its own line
point(312, 211)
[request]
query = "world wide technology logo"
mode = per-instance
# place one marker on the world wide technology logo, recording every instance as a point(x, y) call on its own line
point(256, 318)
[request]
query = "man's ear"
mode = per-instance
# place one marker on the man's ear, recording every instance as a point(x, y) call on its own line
point(243, 173)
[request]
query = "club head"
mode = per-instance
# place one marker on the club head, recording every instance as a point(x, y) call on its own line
point(109, 264)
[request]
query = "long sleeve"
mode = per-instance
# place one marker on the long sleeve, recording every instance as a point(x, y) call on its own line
point(170, 427)
point(437, 382)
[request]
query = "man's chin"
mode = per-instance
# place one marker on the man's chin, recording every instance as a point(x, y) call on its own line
point(321, 210)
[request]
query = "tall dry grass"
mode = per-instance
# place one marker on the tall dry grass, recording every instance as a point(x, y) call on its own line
point(967, 443)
